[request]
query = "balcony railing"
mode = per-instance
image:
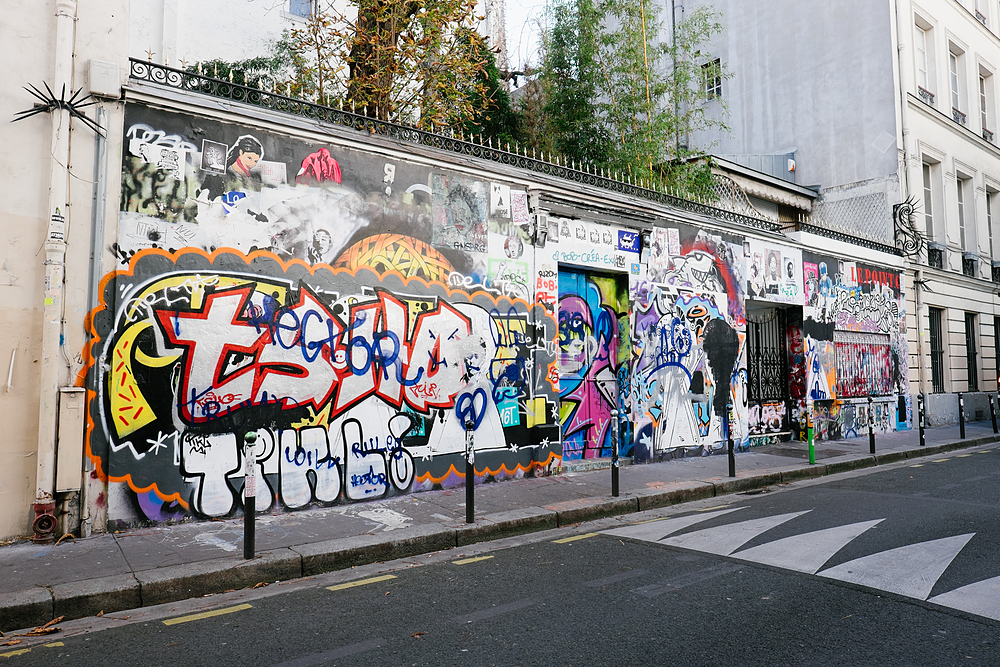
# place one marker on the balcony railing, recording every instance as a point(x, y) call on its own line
point(935, 258)
point(996, 274)
point(969, 267)
point(988, 135)
point(980, 17)
point(958, 116)
point(926, 96)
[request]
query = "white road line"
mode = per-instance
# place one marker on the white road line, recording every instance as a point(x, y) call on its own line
point(653, 531)
point(724, 540)
point(982, 598)
point(806, 552)
point(911, 570)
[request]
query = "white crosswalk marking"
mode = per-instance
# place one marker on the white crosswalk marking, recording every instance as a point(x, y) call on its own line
point(910, 570)
point(657, 530)
point(724, 540)
point(807, 552)
point(982, 598)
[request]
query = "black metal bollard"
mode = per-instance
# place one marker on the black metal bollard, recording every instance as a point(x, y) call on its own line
point(470, 472)
point(920, 418)
point(729, 443)
point(993, 414)
point(614, 453)
point(249, 493)
point(961, 416)
point(871, 426)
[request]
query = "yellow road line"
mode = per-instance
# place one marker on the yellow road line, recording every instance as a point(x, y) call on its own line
point(360, 582)
point(54, 644)
point(939, 461)
point(574, 538)
point(466, 561)
point(918, 465)
point(206, 614)
point(11, 654)
point(709, 509)
point(962, 456)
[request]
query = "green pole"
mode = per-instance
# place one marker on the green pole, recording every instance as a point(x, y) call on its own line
point(809, 434)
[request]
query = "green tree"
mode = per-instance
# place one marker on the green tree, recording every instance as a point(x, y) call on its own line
point(494, 116)
point(618, 96)
point(570, 84)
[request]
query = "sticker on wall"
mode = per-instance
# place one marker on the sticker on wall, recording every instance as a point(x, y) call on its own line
point(775, 273)
point(499, 200)
point(594, 245)
point(213, 156)
point(519, 207)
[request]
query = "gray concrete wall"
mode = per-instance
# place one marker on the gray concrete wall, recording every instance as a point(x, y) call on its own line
point(809, 76)
point(942, 409)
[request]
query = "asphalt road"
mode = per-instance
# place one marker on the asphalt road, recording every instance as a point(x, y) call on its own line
point(860, 569)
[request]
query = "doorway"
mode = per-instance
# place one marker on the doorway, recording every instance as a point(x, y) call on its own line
point(593, 353)
point(768, 374)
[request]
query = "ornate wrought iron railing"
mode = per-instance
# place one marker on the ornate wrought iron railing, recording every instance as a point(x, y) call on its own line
point(925, 95)
point(452, 142)
point(847, 238)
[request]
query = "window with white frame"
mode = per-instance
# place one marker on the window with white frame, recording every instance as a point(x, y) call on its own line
point(986, 103)
point(303, 8)
point(924, 55)
point(712, 74)
point(928, 177)
point(955, 86)
point(991, 201)
point(963, 210)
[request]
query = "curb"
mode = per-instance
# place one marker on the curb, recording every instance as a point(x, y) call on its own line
point(92, 596)
point(596, 508)
point(507, 524)
point(655, 499)
point(346, 552)
point(36, 606)
point(189, 580)
point(26, 609)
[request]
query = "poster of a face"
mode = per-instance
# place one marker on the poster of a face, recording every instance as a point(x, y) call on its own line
point(775, 273)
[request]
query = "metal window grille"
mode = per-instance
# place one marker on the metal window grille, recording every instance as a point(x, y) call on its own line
point(970, 351)
point(767, 359)
point(864, 364)
point(935, 258)
point(969, 267)
point(937, 350)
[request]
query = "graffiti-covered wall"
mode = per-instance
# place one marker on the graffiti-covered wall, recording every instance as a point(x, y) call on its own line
point(354, 310)
point(688, 367)
point(854, 347)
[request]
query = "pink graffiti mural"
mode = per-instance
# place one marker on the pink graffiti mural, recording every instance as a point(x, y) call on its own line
point(590, 328)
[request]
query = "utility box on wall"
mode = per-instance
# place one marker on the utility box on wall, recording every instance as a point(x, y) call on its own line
point(69, 462)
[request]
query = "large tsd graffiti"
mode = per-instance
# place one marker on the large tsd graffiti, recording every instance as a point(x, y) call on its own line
point(352, 396)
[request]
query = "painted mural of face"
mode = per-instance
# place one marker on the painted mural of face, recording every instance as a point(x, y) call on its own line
point(245, 162)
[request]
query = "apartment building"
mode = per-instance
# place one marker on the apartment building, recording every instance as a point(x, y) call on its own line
point(889, 111)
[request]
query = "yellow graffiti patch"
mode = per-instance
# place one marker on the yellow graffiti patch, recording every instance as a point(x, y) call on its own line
point(129, 409)
point(537, 411)
point(394, 252)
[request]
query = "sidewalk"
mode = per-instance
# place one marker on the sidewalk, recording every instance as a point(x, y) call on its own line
point(144, 567)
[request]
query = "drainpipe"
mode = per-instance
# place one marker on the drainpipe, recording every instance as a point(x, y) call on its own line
point(55, 255)
point(918, 286)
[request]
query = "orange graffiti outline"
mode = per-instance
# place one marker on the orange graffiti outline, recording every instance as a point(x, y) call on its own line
point(95, 339)
point(452, 470)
